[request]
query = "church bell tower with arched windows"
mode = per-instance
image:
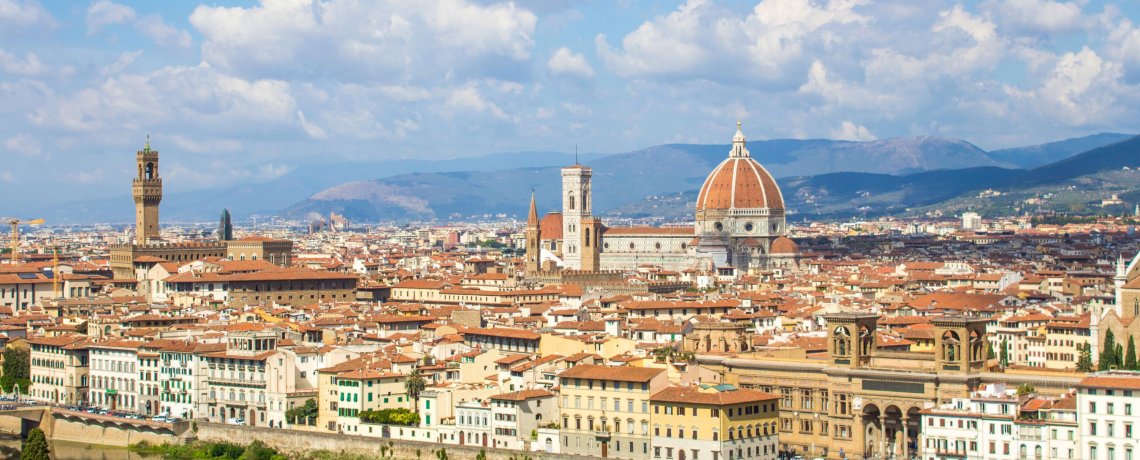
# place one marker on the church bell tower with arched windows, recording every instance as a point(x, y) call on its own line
point(147, 191)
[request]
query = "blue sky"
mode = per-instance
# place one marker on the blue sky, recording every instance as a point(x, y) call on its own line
point(247, 91)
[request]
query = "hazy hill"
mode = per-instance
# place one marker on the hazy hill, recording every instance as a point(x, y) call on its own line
point(1078, 180)
point(1038, 155)
point(273, 196)
point(499, 183)
point(625, 178)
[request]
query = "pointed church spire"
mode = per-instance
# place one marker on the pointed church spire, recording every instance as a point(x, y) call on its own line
point(532, 218)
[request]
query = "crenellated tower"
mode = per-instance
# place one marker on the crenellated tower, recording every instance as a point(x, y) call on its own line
point(147, 191)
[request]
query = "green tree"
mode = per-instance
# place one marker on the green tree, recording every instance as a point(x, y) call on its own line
point(1130, 355)
point(415, 385)
point(36, 446)
point(1025, 389)
point(1106, 352)
point(304, 413)
point(16, 370)
point(1118, 356)
point(990, 351)
point(1084, 359)
point(1004, 360)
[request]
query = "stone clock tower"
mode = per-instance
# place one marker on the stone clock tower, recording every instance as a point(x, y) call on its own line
point(147, 191)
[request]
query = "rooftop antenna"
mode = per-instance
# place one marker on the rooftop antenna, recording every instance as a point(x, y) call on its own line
point(575, 154)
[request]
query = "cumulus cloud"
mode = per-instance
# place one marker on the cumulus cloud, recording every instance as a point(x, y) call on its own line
point(702, 40)
point(566, 63)
point(188, 95)
point(1038, 16)
point(28, 66)
point(1082, 88)
point(163, 34)
point(105, 13)
point(849, 131)
point(391, 41)
point(24, 14)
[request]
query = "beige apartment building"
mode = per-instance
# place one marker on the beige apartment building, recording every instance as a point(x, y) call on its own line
point(605, 410)
point(59, 369)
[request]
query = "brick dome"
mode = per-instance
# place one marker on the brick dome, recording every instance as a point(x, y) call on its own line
point(784, 245)
point(739, 182)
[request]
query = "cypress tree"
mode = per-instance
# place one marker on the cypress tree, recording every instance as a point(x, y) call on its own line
point(1106, 352)
point(1130, 355)
point(1084, 359)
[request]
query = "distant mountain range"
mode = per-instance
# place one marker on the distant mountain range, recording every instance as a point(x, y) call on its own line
point(1040, 155)
point(818, 177)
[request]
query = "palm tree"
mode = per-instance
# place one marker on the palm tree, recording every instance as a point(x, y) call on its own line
point(414, 385)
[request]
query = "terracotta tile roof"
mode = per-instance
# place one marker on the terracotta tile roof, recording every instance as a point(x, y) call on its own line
point(523, 395)
point(619, 374)
point(1126, 382)
point(502, 332)
point(711, 396)
point(550, 228)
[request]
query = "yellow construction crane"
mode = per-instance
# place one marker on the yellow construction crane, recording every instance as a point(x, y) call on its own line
point(15, 223)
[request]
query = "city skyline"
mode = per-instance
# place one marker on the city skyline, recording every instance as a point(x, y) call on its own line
point(247, 93)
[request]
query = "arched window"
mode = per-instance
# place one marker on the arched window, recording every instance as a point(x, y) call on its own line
point(149, 171)
point(570, 201)
point(842, 339)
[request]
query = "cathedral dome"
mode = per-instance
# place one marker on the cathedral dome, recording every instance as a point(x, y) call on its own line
point(739, 182)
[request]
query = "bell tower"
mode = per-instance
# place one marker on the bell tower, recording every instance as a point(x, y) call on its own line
point(851, 338)
point(533, 240)
point(147, 191)
point(576, 203)
point(960, 344)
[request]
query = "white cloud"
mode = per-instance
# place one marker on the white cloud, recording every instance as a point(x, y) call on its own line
point(28, 66)
point(218, 146)
point(24, 14)
point(177, 95)
point(1082, 88)
point(312, 130)
point(24, 144)
point(163, 34)
point(389, 42)
point(566, 63)
point(470, 99)
point(701, 40)
point(1037, 16)
point(86, 177)
point(849, 131)
point(105, 13)
point(121, 63)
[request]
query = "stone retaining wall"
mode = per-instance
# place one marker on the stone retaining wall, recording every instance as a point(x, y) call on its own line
point(290, 441)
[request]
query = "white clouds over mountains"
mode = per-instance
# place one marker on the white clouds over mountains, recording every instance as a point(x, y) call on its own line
point(282, 79)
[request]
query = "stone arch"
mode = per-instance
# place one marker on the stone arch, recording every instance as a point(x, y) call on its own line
point(951, 347)
point(842, 341)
